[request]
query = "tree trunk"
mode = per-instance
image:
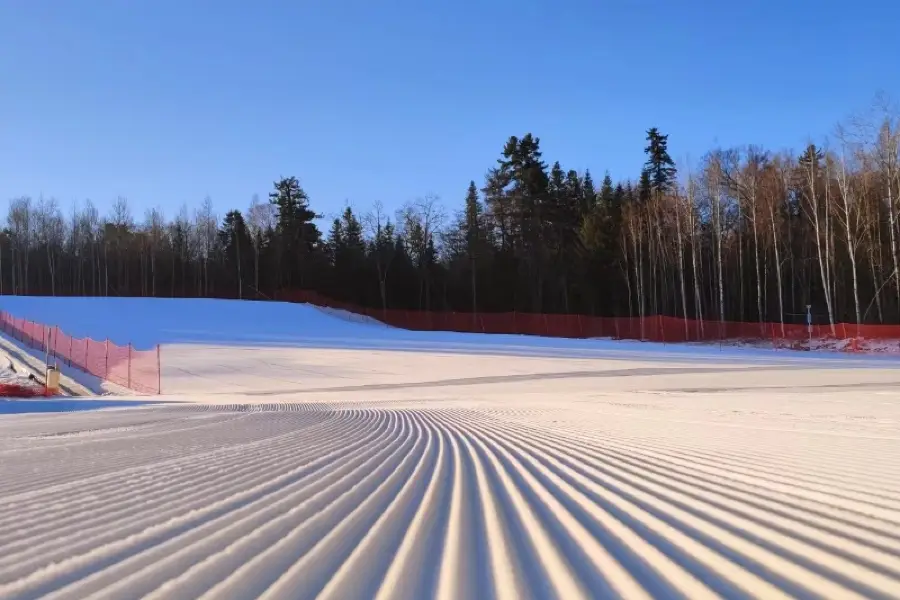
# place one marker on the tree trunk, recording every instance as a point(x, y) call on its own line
point(681, 269)
point(777, 268)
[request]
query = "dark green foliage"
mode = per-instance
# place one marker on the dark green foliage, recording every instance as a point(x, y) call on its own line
point(236, 247)
point(659, 165)
point(298, 248)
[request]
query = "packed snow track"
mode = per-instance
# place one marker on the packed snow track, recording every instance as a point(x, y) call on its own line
point(438, 469)
point(335, 501)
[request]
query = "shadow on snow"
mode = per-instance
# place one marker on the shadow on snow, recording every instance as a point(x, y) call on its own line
point(18, 407)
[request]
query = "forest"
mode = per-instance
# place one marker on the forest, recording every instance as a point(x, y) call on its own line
point(746, 234)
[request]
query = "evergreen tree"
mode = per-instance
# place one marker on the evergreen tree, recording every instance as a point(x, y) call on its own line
point(588, 194)
point(474, 230)
point(382, 251)
point(353, 234)
point(606, 191)
point(527, 173)
point(553, 215)
point(335, 243)
point(645, 187)
point(811, 158)
point(347, 251)
point(660, 166)
point(236, 244)
point(574, 200)
point(293, 208)
point(298, 238)
point(524, 168)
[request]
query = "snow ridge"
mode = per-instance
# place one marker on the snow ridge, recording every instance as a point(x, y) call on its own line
point(354, 500)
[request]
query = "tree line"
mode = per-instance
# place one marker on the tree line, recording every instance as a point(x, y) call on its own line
point(746, 235)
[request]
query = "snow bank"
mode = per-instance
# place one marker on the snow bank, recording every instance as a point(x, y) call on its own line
point(146, 322)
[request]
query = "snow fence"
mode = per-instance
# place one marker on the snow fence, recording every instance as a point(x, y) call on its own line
point(137, 370)
point(662, 329)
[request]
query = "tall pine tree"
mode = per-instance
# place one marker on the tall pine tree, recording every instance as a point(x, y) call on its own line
point(659, 165)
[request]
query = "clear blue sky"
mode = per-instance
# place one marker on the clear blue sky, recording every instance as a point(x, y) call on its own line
point(166, 101)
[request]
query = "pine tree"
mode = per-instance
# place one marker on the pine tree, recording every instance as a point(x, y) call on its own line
point(574, 200)
point(527, 173)
point(382, 252)
point(353, 234)
point(645, 187)
point(606, 190)
point(298, 238)
point(552, 217)
point(659, 164)
point(236, 244)
point(293, 207)
point(588, 194)
point(335, 243)
point(522, 164)
point(474, 211)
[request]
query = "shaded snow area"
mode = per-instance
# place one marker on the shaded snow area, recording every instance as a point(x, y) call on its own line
point(8, 373)
point(298, 454)
point(12, 380)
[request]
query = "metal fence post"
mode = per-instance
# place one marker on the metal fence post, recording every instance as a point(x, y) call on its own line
point(129, 365)
point(158, 371)
point(49, 335)
point(106, 362)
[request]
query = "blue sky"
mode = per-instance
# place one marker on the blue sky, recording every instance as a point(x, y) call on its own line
point(168, 101)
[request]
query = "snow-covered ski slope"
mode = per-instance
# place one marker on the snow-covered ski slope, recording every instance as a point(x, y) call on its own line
point(296, 454)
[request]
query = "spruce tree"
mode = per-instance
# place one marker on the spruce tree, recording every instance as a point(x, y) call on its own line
point(298, 238)
point(588, 194)
point(660, 166)
point(645, 187)
point(335, 242)
point(236, 244)
point(473, 221)
point(606, 190)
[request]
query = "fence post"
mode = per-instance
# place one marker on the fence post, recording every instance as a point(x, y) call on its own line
point(129, 365)
point(71, 341)
point(158, 371)
point(106, 362)
point(49, 336)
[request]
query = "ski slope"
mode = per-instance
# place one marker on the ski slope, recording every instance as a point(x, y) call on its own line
point(297, 454)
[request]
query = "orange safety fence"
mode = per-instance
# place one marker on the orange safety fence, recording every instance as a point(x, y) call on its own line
point(18, 390)
point(137, 370)
point(843, 336)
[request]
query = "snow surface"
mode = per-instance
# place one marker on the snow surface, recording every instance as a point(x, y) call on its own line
point(10, 375)
point(296, 454)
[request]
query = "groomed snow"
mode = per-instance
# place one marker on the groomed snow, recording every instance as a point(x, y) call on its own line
point(296, 454)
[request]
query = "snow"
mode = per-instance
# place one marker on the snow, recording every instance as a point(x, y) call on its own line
point(12, 381)
point(8, 373)
point(297, 453)
point(146, 322)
